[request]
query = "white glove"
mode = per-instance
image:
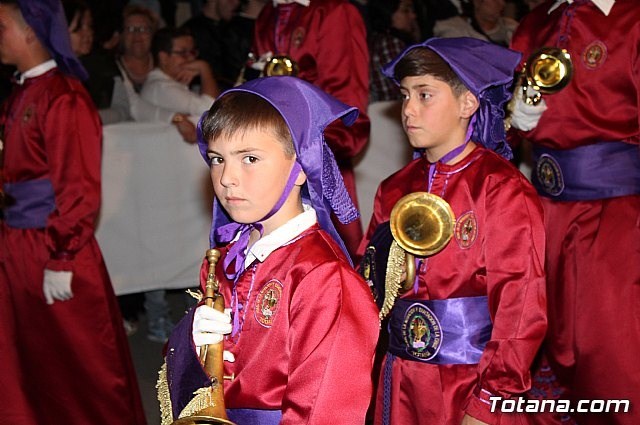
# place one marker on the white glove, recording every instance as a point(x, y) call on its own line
point(209, 325)
point(57, 286)
point(524, 116)
point(262, 61)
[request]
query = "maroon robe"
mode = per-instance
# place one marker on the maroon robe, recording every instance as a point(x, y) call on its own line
point(496, 251)
point(73, 355)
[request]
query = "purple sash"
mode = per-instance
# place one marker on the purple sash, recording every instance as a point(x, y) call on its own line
point(33, 200)
point(254, 416)
point(599, 171)
point(451, 331)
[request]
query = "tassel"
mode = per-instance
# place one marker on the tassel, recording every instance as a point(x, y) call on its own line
point(393, 280)
point(202, 399)
point(166, 415)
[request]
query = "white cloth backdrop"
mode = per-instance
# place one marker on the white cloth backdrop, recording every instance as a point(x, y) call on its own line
point(387, 152)
point(156, 208)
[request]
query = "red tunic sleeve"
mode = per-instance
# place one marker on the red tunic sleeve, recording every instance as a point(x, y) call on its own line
point(343, 72)
point(332, 329)
point(72, 139)
point(516, 290)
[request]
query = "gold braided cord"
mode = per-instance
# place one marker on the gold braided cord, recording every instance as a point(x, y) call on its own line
point(166, 415)
point(202, 399)
point(393, 280)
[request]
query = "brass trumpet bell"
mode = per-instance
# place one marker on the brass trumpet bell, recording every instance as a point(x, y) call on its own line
point(422, 223)
point(281, 66)
point(548, 70)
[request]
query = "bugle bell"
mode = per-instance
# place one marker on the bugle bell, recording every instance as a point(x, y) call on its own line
point(281, 65)
point(548, 70)
point(422, 225)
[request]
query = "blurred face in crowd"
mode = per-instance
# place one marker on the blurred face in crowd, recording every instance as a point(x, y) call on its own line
point(136, 36)
point(488, 9)
point(226, 8)
point(13, 35)
point(182, 51)
point(81, 33)
point(404, 18)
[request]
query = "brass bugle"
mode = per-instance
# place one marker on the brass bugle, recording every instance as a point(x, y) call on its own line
point(281, 65)
point(548, 70)
point(422, 224)
point(211, 357)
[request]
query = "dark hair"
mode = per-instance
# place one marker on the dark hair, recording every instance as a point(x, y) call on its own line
point(424, 61)
point(163, 40)
point(237, 112)
point(380, 13)
point(73, 8)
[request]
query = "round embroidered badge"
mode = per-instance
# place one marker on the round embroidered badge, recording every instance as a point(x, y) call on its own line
point(466, 230)
point(549, 175)
point(421, 332)
point(267, 302)
point(368, 270)
point(594, 54)
point(298, 36)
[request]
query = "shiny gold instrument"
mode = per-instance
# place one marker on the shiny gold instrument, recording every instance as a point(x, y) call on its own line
point(207, 407)
point(422, 224)
point(548, 70)
point(281, 65)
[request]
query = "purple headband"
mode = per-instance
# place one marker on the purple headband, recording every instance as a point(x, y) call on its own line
point(47, 19)
point(487, 70)
point(307, 110)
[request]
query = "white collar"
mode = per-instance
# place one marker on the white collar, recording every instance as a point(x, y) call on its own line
point(301, 2)
point(36, 71)
point(604, 5)
point(281, 236)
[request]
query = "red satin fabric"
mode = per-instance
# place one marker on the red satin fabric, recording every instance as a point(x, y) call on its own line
point(505, 262)
point(593, 248)
point(314, 362)
point(73, 355)
point(328, 41)
point(601, 101)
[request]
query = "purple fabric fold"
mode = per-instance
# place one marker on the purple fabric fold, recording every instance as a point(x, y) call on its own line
point(598, 171)
point(457, 330)
point(33, 202)
point(254, 416)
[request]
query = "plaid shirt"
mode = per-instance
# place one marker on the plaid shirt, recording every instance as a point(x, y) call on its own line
point(384, 47)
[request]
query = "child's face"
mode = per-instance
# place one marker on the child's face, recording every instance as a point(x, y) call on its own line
point(432, 116)
point(249, 173)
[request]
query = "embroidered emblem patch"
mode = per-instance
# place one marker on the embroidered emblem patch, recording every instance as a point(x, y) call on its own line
point(594, 54)
point(267, 302)
point(549, 175)
point(368, 270)
point(466, 230)
point(297, 37)
point(28, 113)
point(421, 332)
